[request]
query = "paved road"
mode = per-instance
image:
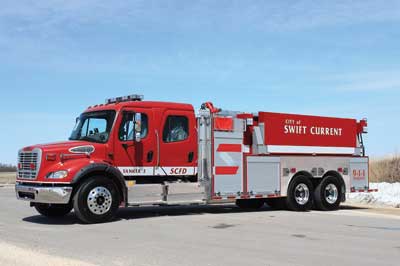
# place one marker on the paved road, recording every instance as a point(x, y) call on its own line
point(222, 235)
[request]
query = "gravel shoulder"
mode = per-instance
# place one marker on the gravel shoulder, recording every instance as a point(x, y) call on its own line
point(12, 255)
point(7, 178)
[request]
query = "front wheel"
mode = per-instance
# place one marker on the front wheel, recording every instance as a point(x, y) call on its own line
point(97, 200)
point(300, 194)
point(327, 194)
point(53, 210)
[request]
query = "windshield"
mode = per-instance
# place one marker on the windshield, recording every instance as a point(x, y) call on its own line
point(94, 126)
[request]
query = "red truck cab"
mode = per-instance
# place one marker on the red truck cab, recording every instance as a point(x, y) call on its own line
point(124, 139)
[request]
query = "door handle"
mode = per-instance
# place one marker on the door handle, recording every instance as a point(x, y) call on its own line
point(150, 156)
point(190, 157)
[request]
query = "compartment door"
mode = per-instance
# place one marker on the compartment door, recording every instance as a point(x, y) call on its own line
point(263, 174)
point(359, 178)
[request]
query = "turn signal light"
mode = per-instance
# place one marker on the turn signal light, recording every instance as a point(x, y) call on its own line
point(51, 157)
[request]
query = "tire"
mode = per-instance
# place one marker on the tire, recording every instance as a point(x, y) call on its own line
point(97, 200)
point(277, 203)
point(300, 194)
point(53, 210)
point(250, 204)
point(327, 195)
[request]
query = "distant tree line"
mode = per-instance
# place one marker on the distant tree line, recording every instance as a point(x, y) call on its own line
point(7, 168)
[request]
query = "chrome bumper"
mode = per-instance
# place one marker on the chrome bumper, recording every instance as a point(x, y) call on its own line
point(55, 195)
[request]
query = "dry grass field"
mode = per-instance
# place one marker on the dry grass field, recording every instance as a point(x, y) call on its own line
point(7, 177)
point(385, 170)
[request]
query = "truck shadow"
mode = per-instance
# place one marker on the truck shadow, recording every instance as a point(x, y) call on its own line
point(147, 212)
point(150, 212)
point(133, 213)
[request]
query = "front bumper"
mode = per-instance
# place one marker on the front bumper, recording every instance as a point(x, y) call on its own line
point(53, 195)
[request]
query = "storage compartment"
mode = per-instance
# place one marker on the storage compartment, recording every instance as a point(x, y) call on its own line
point(263, 174)
point(359, 173)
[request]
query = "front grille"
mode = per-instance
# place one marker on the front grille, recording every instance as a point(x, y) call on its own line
point(28, 164)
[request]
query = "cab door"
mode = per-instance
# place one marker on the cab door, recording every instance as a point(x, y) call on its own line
point(131, 157)
point(178, 144)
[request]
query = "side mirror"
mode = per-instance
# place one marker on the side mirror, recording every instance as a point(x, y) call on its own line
point(138, 126)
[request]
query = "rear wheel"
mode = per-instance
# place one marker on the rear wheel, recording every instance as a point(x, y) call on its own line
point(250, 204)
point(300, 194)
point(97, 200)
point(327, 194)
point(53, 210)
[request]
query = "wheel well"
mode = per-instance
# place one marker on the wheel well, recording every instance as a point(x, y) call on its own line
point(303, 173)
point(99, 173)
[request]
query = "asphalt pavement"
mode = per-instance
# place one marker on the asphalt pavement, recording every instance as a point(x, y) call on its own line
point(199, 235)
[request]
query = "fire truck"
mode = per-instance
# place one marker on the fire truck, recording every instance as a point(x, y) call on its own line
point(131, 152)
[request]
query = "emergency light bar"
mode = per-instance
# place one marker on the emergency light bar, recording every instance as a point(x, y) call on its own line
point(133, 97)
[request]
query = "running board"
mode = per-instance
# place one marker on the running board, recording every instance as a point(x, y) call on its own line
point(178, 193)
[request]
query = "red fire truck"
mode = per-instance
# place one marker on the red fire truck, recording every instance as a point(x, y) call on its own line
point(130, 152)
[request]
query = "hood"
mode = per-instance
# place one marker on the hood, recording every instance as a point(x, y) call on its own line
point(59, 146)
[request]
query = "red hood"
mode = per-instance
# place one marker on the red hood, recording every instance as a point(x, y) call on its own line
point(59, 151)
point(57, 145)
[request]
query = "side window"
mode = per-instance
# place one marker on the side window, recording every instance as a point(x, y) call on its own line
point(126, 130)
point(176, 128)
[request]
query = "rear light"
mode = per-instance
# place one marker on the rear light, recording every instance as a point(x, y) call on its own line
point(352, 189)
point(340, 170)
point(293, 170)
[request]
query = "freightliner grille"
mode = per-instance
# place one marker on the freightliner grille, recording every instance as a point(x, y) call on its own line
point(28, 164)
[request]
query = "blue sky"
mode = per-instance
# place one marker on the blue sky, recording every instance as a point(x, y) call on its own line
point(335, 58)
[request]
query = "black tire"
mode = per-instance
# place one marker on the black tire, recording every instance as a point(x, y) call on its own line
point(250, 204)
point(277, 203)
point(328, 200)
point(106, 205)
point(53, 210)
point(305, 185)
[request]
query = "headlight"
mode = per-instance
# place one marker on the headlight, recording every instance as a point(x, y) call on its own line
point(58, 174)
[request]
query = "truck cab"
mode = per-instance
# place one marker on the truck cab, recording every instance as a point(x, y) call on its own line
point(125, 140)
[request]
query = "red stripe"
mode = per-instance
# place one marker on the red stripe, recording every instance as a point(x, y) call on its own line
point(226, 170)
point(229, 148)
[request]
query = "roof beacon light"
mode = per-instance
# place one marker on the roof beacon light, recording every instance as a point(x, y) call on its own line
point(129, 98)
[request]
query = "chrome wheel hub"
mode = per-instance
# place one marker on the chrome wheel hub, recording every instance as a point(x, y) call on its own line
point(99, 200)
point(331, 193)
point(302, 194)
